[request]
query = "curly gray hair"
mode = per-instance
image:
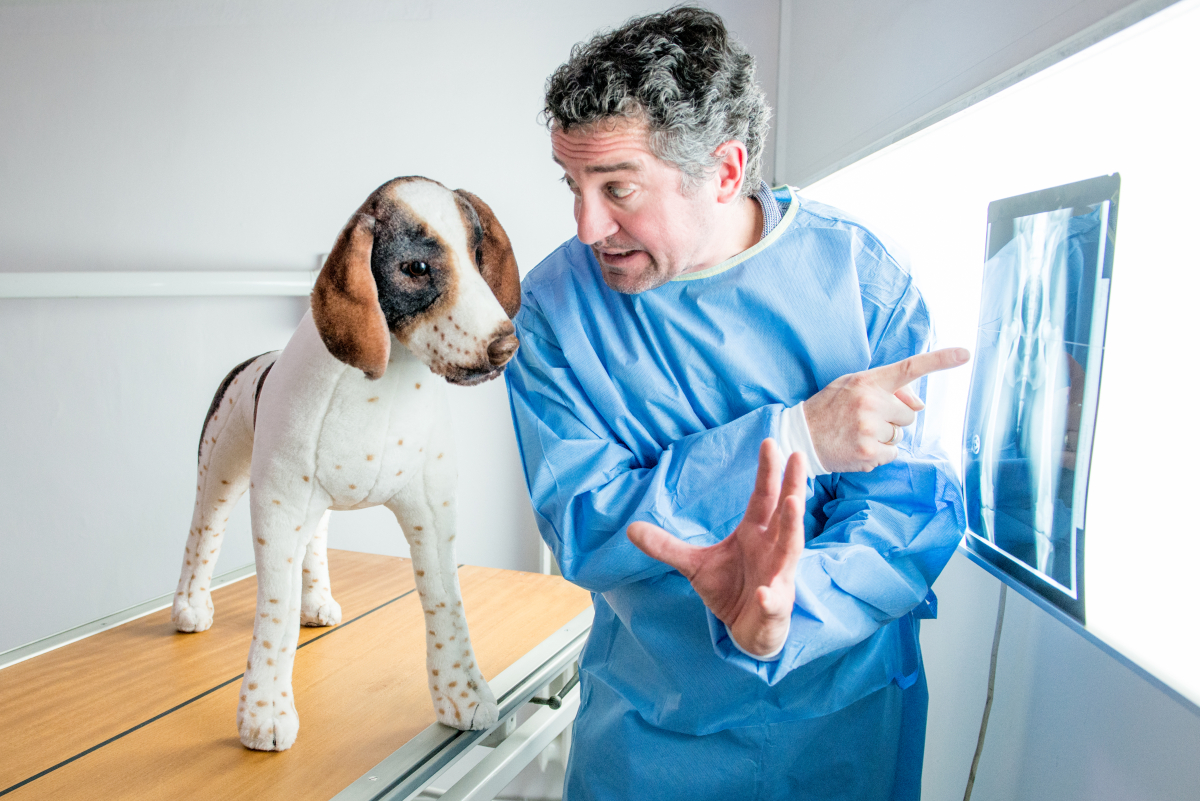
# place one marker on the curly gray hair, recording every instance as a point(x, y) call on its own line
point(682, 74)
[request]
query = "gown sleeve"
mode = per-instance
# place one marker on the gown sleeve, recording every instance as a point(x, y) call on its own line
point(587, 487)
point(876, 541)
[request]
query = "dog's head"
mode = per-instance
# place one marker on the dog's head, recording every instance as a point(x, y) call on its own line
point(431, 266)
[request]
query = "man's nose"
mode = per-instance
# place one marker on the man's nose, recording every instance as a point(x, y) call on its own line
point(594, 222)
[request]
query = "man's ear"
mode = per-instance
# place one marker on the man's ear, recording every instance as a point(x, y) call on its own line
point(345, 303)
point(498, 264)
point(731, 170)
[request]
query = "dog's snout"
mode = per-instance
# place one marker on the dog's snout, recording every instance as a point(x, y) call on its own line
point(502, 349)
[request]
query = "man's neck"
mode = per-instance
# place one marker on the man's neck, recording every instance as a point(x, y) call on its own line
point(741, 226)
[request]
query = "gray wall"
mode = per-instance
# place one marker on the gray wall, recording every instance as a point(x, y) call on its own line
point(859, 70)
point(205, 135)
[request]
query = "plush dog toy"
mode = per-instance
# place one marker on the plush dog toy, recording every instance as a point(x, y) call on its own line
point(419, 289)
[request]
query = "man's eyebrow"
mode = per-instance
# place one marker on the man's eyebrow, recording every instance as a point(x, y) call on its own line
point(619, 167)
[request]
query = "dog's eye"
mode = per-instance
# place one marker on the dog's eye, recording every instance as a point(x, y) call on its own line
point(415, 268)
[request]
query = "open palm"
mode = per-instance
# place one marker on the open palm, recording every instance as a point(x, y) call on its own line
point(747, 579)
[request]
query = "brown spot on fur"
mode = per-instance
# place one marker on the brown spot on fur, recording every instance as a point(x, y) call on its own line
point(258, 391)
point(418, 528)
point(418, 386)
point(261, 703)
point(253, 685)
point(372, 400)
point(435, 671)
point(229, 379)
point(261, 541)
point(345, 301)
point(352, 486)
point(304, 477)
point(420, 572)
point(370, 457)
point(497, 265)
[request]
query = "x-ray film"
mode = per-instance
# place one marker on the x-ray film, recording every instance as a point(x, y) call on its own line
point(1035, 384)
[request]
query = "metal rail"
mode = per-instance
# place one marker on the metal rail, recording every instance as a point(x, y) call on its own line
point(406, 772)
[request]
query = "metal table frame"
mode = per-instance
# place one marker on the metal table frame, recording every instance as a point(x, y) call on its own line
point(410, 769)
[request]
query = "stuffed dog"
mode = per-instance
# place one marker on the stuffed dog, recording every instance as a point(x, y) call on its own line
point(419, 289)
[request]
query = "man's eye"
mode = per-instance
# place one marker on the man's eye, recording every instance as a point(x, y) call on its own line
point(415, 268)
point(620, 192)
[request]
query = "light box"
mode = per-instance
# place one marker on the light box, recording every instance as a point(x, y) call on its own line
point(1119, 559)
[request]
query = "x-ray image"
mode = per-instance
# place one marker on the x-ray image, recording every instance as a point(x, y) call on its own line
point(1036, 381)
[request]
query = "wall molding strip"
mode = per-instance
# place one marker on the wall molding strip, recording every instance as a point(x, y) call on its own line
point(155, 284)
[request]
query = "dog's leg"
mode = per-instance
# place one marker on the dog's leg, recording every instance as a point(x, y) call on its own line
point(221, 480)
point(426, 511)
point(266, 716)
point(317, 607)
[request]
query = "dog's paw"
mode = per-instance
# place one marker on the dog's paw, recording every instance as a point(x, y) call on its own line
point(188, 618)
point(320, 612)
point(466, 704)
point(267, 725)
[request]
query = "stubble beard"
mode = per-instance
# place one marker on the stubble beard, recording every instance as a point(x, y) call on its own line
point(650, 278)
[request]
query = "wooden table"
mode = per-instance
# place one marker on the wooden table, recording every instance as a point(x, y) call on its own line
point(140, 711)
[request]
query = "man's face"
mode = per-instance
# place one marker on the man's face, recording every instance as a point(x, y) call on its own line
point(630, 207)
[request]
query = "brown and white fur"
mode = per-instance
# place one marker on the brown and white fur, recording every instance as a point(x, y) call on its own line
point(418, 290)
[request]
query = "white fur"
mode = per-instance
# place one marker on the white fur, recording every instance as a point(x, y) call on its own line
point(329, 438)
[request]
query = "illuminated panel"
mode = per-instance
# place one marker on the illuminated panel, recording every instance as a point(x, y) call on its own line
point(1124, 106)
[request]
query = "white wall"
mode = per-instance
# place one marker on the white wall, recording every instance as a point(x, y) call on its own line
point(207, 135)
point(1068, 722)
point(862, 69)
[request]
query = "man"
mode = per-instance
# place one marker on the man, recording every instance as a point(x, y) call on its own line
point(663, 351)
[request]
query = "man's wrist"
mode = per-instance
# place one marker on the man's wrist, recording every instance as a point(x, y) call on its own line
point(794, 436)
point(769, 657)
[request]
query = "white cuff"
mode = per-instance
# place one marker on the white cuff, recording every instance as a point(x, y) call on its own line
point(795, 436)
point(769, 657)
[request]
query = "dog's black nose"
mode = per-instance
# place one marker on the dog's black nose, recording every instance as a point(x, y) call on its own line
point(502, 349)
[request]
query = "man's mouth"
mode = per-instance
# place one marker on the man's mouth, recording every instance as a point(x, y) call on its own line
point(617, 259)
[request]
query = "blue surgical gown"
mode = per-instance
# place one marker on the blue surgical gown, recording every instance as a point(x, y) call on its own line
point(652, 407)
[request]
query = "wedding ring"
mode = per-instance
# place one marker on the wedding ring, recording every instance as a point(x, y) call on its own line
point(895, 435)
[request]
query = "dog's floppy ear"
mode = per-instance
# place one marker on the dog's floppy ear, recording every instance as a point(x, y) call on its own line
point(345, 303)
point(498, 265)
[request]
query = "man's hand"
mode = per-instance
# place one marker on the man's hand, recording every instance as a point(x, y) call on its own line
point(748, 579)
point(851, 420)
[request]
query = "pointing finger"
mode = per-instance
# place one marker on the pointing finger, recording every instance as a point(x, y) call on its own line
point(892, 377)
